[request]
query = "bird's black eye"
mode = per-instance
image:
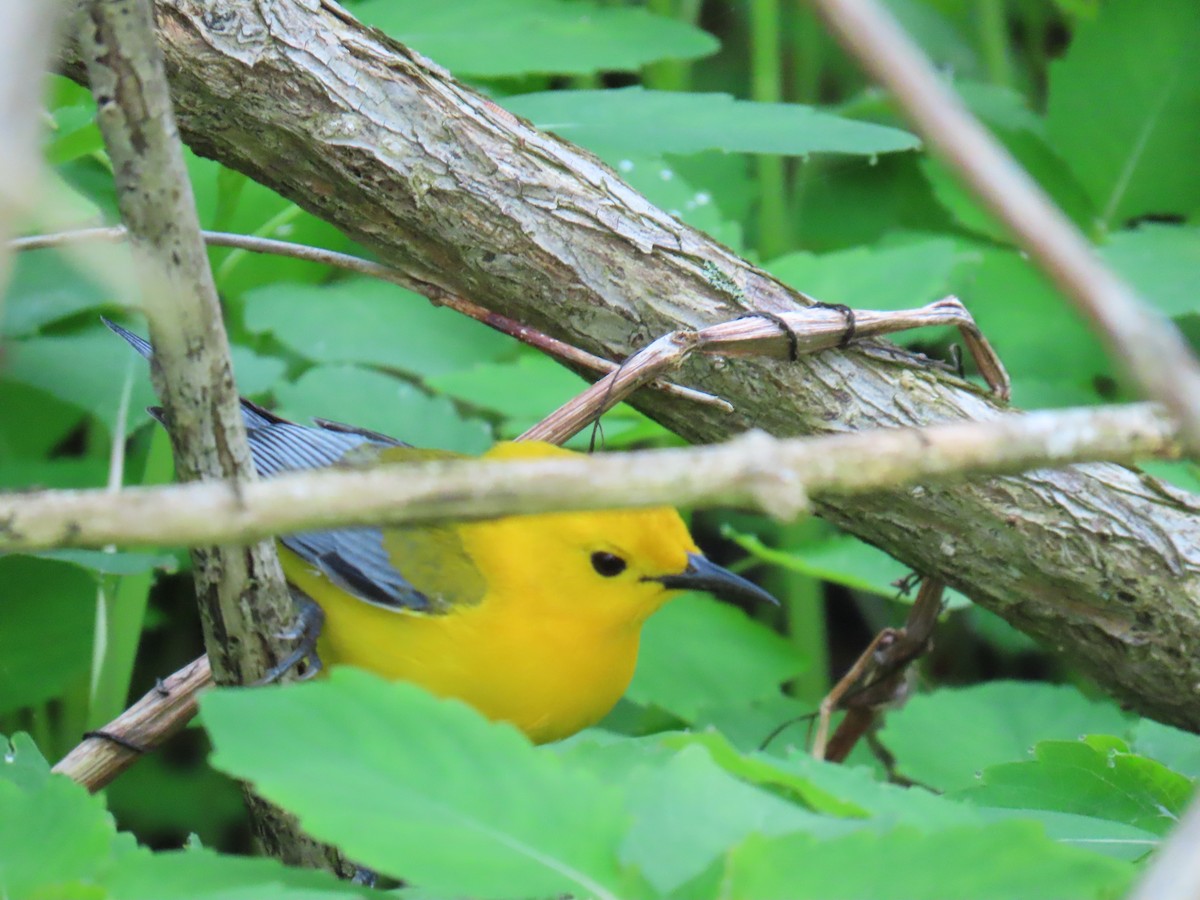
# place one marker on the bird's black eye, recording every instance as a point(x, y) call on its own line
point(607, 564)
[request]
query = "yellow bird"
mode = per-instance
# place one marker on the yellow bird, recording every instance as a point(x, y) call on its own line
point(533, 620)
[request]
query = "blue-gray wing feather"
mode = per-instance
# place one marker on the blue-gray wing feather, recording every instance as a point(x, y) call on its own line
point(352, 558)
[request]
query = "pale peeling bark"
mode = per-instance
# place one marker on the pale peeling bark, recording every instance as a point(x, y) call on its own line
point(1098, 561)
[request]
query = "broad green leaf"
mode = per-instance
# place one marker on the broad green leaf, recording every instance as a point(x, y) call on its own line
point(230, 201)
point(946, 738)
point(1104, 836)
point(883, 805)
point(32, 423)
point(369, 399)
point(1162, 262)
point(846, 201)
point(204, 875)
point(1038, 159)
point(87, 370)
point(255, 374)
point(101, 562)
point(420, 788)
point(646, 122)
point(698, 653)
point(21, 763)
point(54, 837)
point(1179, 473)
point(74, 134)
point(689, 811)
point(46, 287)
point(1141, 63)
point(1023, 134)
point(770, 772)
point(936, 34)
point(492, 38)
point(841, 559)
point(47, 611)
point(370, 322)
point(1178, 750)
point(58, 472)
point(524, 389)
point(897, 277)
point(996, 862)
point(1031, 325)
point(1094, 777)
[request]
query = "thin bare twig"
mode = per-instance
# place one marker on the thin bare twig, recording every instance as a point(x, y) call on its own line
point(346, 261)
point(241, 592)
point(754, 470)
point(161, 713)
point(1148, 345)
point(880, 677)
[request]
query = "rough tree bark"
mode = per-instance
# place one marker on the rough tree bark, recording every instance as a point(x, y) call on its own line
point(1098, 561)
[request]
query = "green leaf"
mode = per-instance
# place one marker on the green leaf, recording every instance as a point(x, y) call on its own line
point(1179, 750)
point(687, 812)
point(1030, 324)
point(636, 120)
point(86, 370)
point(203, 875)
point(1143, 60)
point(1162, 262)
point(255, 374)
point(420, 788)
point(493, 38)
point(230, 201)
point(47, 612)
point(841, 559)
point(1104, 836)
point(103, 562)
point(770, 772)
point(996, 862)
point(370, 322)
point(1023, 134)
point(1094, 777)
point(1182, 474)
point(383, 403)
point(898, 277)
point(842, 791)
point(698, 653)
point(32, 423)
point(524, 389)
point(47, 287)
point(54, 837)
point(22, 763)
point(946, 738)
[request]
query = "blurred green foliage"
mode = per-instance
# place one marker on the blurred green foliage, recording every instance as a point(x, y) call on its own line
point(745, 120)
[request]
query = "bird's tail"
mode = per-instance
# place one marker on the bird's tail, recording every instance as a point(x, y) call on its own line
point(137, 342)
point(253, 414)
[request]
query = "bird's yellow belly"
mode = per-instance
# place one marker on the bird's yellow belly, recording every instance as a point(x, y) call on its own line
point(549, 677)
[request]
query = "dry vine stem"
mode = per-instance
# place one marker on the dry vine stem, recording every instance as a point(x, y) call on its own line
point(786, 335)
point(879, 677)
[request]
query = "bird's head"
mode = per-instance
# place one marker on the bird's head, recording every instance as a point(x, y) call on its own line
point(618, 566)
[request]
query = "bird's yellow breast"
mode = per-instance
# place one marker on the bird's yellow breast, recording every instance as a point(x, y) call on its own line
point(537, 662)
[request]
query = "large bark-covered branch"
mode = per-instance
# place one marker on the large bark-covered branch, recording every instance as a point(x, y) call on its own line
point(1098, 561)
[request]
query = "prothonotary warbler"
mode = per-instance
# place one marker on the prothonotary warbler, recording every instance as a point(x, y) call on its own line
point(533, 620)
